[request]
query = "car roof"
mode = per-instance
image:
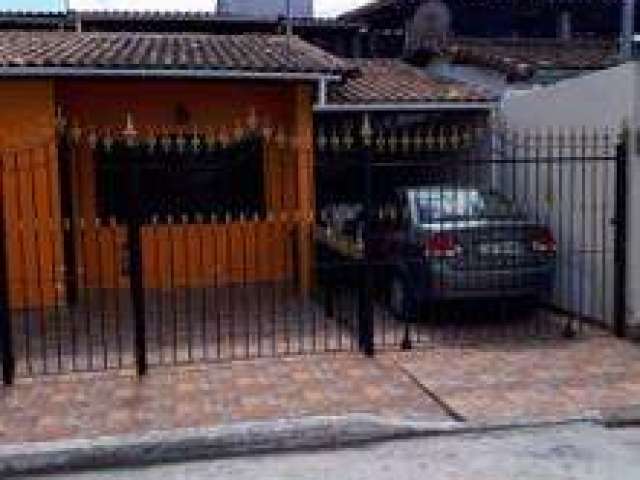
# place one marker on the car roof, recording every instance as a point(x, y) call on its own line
point(445, 189)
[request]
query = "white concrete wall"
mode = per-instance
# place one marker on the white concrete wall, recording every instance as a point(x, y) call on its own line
point(600, 99)
point(577, 199)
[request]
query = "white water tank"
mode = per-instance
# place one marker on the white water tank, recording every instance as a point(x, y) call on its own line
point(266, 8)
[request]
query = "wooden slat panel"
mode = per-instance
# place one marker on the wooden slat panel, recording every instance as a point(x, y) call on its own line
point(215, 255)
point(34, 229)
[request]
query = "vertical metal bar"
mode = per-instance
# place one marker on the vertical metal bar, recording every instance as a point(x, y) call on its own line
point(586, 249)
point(574, 251)
point(245, 226)
point(20, 257)
point(69, 234)
point(217, 297)
point(75, 330)
point(556, 144)
point(365, 302)
point(189, 279)
point(538, 319)
point(101, 304)
point(231, 297)
point(258, 222)
point(620, 254)
point(627, 29)
point(203, 278)
point(37, 279)
point(275, 290)
point(593, 196)
point(6, 334)
point(52, 278)
point(528, 162)
point(117, 268)
point(58, 320)
point(173, 296)
point(135, 258)
point(160, 300)
point(88, 235)
point(599, 142)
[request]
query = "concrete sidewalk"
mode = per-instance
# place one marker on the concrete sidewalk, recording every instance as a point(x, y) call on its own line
point(212, 409)
point(536, 382)
point(207, 395)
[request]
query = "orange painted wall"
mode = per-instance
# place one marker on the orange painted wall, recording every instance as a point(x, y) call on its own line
point(154, 102)
point(167, 255)
point(29, 184)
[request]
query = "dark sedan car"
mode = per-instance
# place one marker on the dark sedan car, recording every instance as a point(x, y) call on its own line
point(452, 243)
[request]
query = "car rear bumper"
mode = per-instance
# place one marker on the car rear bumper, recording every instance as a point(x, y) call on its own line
point(451, 285)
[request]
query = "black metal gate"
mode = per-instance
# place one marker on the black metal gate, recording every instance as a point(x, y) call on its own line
point(192, 247)
point(467, 235)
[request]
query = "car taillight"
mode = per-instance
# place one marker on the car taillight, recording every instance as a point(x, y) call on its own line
point(442, 245)
point(542, 241)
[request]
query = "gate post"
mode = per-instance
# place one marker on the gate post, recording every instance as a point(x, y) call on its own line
point(8, 360)
point(365, 300)
point(136, 285)
point(620, 232)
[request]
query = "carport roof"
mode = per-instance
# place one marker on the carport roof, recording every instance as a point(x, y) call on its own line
point(143, 54)
point(380, 82)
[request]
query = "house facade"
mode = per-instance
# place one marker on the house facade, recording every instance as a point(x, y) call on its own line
point(70, 100)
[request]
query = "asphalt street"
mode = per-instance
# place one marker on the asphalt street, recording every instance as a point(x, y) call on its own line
point(583, 451)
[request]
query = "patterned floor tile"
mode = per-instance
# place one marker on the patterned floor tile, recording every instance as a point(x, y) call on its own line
point(87, 406)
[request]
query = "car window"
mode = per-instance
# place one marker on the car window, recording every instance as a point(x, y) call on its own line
point(462, 204)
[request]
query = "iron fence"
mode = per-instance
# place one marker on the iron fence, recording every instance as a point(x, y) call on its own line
point(145, 249)
point(462, 276)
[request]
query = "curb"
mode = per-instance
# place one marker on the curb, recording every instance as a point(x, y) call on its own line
point(310, 433)
point(199, 443)
point(622, 417)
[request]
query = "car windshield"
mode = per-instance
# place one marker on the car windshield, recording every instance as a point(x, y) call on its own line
point(461, 204)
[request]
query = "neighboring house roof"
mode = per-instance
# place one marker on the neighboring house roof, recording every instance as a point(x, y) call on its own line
point(380, 82)
point(54, 18)
point(146, 15)
point(371, 7)
point(140, 54)
point(377, 5)
point(521, 58)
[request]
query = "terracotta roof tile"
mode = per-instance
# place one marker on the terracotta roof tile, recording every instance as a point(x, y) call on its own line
point(139, 51)
point(387, 81)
